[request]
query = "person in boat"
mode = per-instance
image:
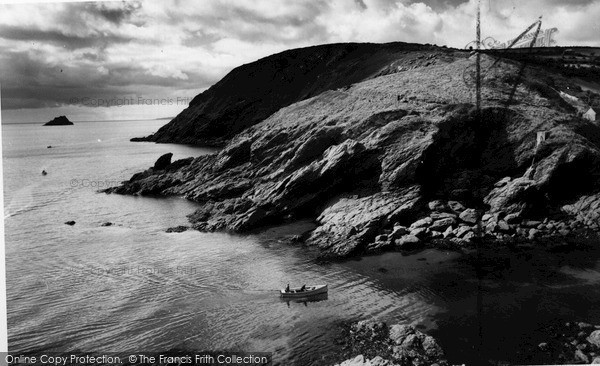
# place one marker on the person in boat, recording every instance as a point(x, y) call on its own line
point(287, 289)
point(303, 288)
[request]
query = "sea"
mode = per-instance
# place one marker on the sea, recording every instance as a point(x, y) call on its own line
point(132, 287)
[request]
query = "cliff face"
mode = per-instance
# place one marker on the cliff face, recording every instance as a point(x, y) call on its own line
point(252, 92)
point(363, 161)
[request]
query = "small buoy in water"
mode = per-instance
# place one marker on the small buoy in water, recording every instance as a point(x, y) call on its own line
point(44, 172)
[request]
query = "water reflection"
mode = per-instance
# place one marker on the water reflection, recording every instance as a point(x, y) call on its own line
point(305, 300)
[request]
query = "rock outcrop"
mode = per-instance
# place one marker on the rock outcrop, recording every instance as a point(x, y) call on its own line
point(374, 343)
point(162, 162)
point(397, 161)
point(59, 121)
point(569, 343)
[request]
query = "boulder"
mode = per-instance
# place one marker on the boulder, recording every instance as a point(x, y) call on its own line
point(70, 223)
point(420, 232)
point(456, 206)
point(468, 237)
point(442, 215)
point(448, 233)
point(461, 231)
point(177, 229)
point(398, 231)
point(162, 162)
point(513, 218)
point(531, 223)
point(382, 237)
point(442, 224)
point(436, 234)
point(470, 216)
point(586, 209)
point(108, 223)
point(413, 347)
point(437, 206)
point(379, 245)
point(533, 234)
point(408, 242)
point(396, 345)
point(503, 226)
point(502, 182)
point(594, 338)
point(349, 223)
point(585, 326)
point(580, 356)
point(356, 361)
point(426, 221)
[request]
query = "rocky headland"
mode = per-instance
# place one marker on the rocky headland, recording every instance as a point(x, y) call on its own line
point(59, 121)
point(397, 160)
point(250, 93)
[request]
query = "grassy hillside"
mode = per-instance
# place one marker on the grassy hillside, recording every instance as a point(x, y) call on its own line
point(252, 92)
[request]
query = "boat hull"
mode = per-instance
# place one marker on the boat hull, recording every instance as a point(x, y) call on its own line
point(310, 291)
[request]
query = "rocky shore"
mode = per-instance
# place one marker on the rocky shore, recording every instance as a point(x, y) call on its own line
point(376, 344)
point(400, 160)
point(451, 224)
point(570, 343)
point(368, 343)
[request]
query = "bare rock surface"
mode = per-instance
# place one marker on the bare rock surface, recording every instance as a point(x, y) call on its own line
point(403, 147)
point(374, 343)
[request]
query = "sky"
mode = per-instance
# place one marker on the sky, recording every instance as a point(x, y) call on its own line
point(148, 59)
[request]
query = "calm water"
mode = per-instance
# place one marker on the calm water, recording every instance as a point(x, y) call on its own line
point(133, 287)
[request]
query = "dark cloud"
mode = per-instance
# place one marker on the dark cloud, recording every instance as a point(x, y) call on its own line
point(60, 38)
point(114, 15)
point(249, 24)
point(90, 56)
point(85, 40)
point(440, 5)
point(361, 4)
point(33, 83)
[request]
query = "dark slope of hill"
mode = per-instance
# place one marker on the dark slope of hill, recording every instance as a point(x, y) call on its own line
point(364, 161)
point(252, 92)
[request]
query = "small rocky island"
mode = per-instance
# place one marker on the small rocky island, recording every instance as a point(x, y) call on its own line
point(59, 121)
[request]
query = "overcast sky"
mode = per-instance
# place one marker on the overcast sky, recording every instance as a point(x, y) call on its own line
point(66, 58)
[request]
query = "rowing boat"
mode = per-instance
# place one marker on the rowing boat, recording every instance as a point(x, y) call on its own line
point(308, 291)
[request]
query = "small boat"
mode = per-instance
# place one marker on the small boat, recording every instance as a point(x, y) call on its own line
point(308, 291)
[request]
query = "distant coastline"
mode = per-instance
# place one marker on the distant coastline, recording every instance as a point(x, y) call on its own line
point(91, 121)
